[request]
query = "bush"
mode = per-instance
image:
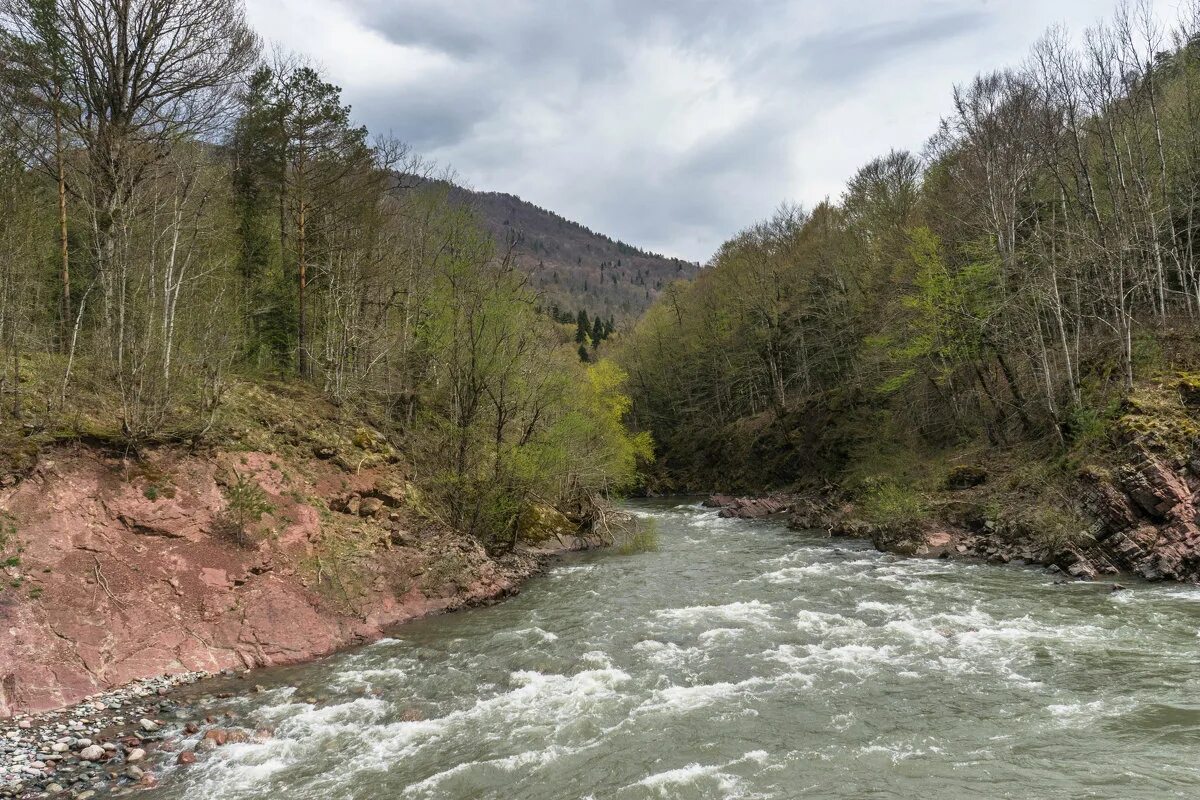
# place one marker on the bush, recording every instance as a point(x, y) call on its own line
point(639, 536)
point(246, 502)
point(892, 508)
point(1055, 528)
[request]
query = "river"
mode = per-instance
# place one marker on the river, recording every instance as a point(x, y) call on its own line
point(743, 660)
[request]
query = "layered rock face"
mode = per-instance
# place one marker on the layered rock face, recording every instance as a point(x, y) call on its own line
point(1147, 518)
point(124, 571)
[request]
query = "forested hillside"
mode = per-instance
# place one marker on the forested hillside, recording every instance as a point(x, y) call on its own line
point(1027, 279)
point(180, 217)
point(572, 267)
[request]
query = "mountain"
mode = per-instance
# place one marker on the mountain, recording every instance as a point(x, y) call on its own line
point(572, 266)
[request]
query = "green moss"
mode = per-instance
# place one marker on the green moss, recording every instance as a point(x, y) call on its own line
point(539, 522)
point(1156, 416)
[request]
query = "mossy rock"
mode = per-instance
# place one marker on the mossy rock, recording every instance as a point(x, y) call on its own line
point(1189, 390)
point(965, 476)
point(540, 522)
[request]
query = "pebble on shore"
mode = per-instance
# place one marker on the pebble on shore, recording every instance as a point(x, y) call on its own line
point(89, 747)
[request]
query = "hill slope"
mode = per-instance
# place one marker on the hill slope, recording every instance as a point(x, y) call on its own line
point(572, 266)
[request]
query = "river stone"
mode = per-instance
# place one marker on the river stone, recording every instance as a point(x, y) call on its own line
point(92, 752)
point(135, 755)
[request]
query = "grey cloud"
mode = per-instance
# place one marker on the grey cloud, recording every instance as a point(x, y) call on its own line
point(544, 98)
point(853, 54)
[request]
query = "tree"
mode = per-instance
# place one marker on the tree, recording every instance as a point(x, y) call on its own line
point(582, 329)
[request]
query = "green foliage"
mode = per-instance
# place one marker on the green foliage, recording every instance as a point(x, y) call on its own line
point(1084, 424)
point(892, 507)
point(641, 536)
point(947, 313)
point(516, 420)
point(245, 504)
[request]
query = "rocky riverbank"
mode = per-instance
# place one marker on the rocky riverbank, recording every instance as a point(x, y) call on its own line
point(93, 746)
point(294, 543)
point(1140, 518)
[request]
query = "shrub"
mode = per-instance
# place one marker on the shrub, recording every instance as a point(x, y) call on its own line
point(1055, 528)
point(639, 536)
point(964, 476)
point(892, 507)
point(245, 504)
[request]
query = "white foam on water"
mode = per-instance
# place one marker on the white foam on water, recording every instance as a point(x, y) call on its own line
point(715, 635)
point(755, 613)
point(859, 660)
point(678, 699)
point(529, 633)
point(570, 569)
point(692, 775)
point(535, 699)
point(895, 609)
point(353, 677)
point(531, 759)
point(242, 768)
point(920, 633)
point(384, 642)
point(710, 778)
point(1082, 713)
point(895, 752)
point(789, 575)
point(820, 622)
point(669, 654)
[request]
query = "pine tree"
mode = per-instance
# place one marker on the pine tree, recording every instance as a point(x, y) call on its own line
point(597, 333)
point(583, 353)
point(582, 328)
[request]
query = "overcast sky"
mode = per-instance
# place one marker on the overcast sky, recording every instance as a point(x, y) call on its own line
point(670, 124)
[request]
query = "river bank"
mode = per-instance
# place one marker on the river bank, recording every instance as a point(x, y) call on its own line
point(1123, 499)
point(289, 532)
point(1138, 519)
point(121, 737)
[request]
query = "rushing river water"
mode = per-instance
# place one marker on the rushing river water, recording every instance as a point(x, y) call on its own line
point(744, 660)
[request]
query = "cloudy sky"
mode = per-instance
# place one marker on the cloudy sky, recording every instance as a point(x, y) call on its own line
point(667, 123)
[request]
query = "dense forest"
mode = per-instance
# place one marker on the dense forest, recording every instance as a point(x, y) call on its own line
point(572, 267)
point(1008, 286)
point(181, 215)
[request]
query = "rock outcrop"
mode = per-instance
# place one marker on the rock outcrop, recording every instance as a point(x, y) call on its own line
point(123, 570)
point(1146, 517)
point(750, 507)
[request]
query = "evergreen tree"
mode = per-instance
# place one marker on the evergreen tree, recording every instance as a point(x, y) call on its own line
point(582, 329)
